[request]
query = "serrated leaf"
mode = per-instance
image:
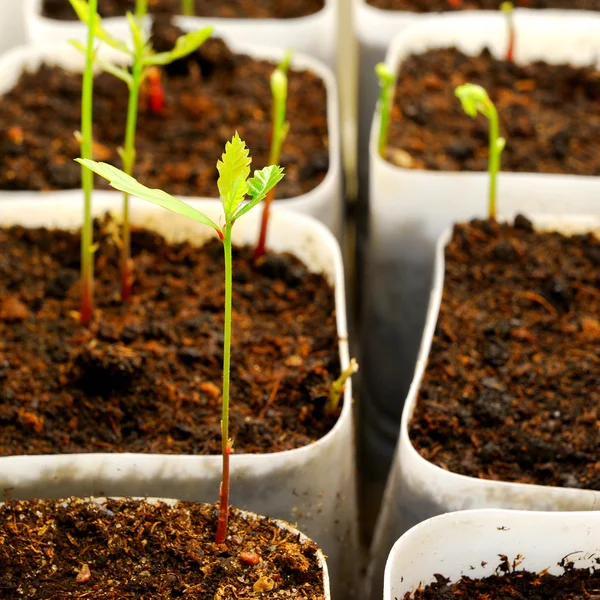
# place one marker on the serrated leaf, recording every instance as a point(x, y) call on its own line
point(186, 44)
point(125, 183)
point(234, 169)
point(259, 186)
point(82, 8)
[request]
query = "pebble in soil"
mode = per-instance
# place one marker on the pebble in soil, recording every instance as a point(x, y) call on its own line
point(127, 549)
point(451, 5)
point(233, 9)
point(207, 98)
point(511, 390)
point(549, 115)
point(146, 377)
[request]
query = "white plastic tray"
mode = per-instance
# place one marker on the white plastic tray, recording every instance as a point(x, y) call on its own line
point(417, 489)
point(313, 486)
point(470, 543)
point(315, 35)
point(409, 209)
point(323, 202)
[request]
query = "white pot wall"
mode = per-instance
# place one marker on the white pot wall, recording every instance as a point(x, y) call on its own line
point(313, 486)
point(12, 26)
point(417, 489)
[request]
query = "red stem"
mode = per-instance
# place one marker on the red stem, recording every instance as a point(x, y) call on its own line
point(224, 499)
point(87, 301)
point(511, 41)
point(262, 238)
point(455, 3)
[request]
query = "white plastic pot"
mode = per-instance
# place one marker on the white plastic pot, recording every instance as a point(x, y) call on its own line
point(323, 202)
point(470, 543)
point(417, 489)
point(283, 525)
point(409, 209)
point(313, 486)
point(315, 35)
point(12, 26)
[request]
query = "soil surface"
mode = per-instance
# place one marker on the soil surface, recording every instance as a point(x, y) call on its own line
point(511, 390)
point(57, 549)
point(450, 5)
point(549, 114)
point(207, 98)
point(234, 9)
point(147, 377)
point(510, 584)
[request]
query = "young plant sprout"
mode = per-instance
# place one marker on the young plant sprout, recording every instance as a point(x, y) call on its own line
point(474, 99)
point(87, 179)
point(187, 8)
point(386, 91)
point(141, 8)
point(337, 387)
point(279, 131)
point(145, 64)
point(235, 187)
point(507, 8)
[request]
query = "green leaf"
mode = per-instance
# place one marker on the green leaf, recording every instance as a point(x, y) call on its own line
point(259, 186)
point(118, 72)
point(124, 183)
point(186, 44)
point(234, 169)
point(284, 65)
point(137, 35)
point(385, 76)
point(82, 8)
point(474, 99)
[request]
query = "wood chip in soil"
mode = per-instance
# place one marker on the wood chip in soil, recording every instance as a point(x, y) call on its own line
point(233, 9)
point(146, 377)
point(511, 391)
point(549, 115)
point(128, 549)
point(510, 584)
point(452, 5)
point(207, 99)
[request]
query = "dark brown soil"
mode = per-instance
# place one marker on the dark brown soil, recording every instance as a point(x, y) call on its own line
point(550, 115)
point(449, 5)
point(511, 390)
point(147, 377)
point(206, 100)
point(234, 9)
point(510, 584)
point(57, 549)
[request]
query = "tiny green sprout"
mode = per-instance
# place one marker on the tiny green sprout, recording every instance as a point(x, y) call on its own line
point(188, 8)
point(337, 387)
point(507, 8)
point(144, 64)
point(386, 87)
point(279, 130)
point(239, 193)
point(474, 100)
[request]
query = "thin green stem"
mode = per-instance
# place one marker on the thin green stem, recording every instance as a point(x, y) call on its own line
point(128, 163)
point(141, 8)
point(386, 84)
point(87, 177)
point(494, 158)
point(188, 8)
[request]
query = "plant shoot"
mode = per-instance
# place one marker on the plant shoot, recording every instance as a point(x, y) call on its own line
point(279, 131)
point(337, 387)
point(239, 193)
point(145, 64)
point(386, 95)
point(188, 8)
point(87, 178)
point(474, 100)
point(507, 8)
point(141, 8)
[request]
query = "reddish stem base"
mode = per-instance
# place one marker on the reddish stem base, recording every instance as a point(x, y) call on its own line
point(126, 279)
point(87, 302)
point(224, 500)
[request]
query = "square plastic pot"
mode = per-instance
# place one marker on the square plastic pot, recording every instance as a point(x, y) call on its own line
point(315, 34)
point(313, 486)
point(417, 489)
point(462, 543)
point(323, 202)
point(409, 209)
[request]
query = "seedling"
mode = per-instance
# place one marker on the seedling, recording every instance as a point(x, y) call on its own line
point(279, 131)
point(187, 8)
point(474, 100)
point(507, 8)
point(145, 63)
point(141, 8)
point(386, 95)
point(234, 188)
point(337, 387)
